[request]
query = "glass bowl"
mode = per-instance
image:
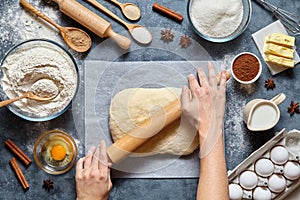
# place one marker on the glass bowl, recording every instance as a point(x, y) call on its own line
point(247, 12)
point(34, 60)
point(55, 152)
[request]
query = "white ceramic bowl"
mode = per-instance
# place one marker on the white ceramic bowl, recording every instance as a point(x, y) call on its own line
point(257, 75)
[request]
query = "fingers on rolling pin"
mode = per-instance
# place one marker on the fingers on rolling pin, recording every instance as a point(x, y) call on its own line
point(218, 76)
point(167, 12)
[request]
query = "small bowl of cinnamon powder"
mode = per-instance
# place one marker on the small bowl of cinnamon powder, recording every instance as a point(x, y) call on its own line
point(246, 68)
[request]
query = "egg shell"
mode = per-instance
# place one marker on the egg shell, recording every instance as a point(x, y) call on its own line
point(248, 180)
point(264, 167)
point(279, 155)
point(235, 192)
point(261, 193)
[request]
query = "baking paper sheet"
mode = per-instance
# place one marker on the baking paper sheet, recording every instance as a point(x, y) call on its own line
point(104, 79)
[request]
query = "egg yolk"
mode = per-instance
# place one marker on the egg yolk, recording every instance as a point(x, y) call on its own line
point(58, 152)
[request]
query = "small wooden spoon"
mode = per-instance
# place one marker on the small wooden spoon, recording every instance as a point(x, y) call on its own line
point(129, 10)
point(75, 38)
point(138, 32)
point(29, 95)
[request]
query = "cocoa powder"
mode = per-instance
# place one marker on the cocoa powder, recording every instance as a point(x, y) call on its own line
point(245, 67)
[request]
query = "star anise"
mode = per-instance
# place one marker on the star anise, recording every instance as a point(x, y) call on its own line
point(166, 35)
point(270, 84)
point(185, 41)
point(293, 108)
point(48, 184)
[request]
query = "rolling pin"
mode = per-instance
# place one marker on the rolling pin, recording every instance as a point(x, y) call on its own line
point(163, 117)
point(90, 20)
point(138, 136)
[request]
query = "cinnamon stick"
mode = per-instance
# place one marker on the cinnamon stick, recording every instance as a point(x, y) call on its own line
point(167, 12)
point(19, 174)
point(18, 152)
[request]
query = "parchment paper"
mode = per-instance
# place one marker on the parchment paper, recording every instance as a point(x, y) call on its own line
point(104, 79)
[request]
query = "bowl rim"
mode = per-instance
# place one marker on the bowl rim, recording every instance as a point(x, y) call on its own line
point(47, 118)
point(215, 39)
point(259, 71)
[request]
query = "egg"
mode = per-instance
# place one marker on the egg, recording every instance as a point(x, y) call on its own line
point(235, 192)
point(58, 152)
point(279, 155)
point(291, 170)
point(264, 167)
point(277, 183)
point(248, 180)
point(261, 193)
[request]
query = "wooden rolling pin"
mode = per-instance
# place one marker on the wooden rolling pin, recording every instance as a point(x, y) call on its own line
point(138, 136)
point(93, 22)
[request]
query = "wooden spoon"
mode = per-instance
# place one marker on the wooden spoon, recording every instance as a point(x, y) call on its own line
point(139, 33)
point(129, 10)
point(29, 95)
point(75, 38)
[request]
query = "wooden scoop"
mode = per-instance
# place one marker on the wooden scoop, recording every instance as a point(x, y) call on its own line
point(129, 10)
point(29, 95)
point(91, 21)
point(75, 38)
point(139, 33)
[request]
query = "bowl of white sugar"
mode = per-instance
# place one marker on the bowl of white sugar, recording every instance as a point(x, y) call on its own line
point(219, 20)
point(44, 68)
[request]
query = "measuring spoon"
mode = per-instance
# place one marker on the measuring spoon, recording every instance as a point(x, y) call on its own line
point(129, 10)
point(139, 33)
point(75, 38)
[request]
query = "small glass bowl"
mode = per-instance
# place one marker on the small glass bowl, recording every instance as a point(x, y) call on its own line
point(44, 146)
point(30, 116)
point(252, 80)
point(247, 12)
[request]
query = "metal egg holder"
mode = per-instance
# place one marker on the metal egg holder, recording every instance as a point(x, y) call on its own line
point(263, 174)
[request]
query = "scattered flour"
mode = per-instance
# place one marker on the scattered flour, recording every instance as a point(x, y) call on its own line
point(217, 18)
point(33, 62)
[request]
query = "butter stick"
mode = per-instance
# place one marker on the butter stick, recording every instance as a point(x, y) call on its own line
point(277, 60)
point(278, 50)
point(281, 39)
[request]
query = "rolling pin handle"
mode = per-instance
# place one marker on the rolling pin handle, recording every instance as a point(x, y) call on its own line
point(121, 40)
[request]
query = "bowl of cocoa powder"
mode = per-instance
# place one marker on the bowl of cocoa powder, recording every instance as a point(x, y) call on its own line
point(246, 68)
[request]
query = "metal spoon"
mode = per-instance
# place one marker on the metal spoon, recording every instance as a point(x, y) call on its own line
point(75, 38)
point(129, 10)
point(139, 33)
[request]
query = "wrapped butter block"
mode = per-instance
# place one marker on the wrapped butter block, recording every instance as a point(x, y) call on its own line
point(285, 62)
point(281, 39)
point(278, 50)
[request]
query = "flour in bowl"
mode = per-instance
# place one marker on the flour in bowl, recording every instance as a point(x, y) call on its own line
point(217, 18)
point(43, 68)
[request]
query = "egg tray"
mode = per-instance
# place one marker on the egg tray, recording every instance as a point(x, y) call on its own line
point(264, 152)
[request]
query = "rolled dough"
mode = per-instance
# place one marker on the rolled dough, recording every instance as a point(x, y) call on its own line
point(130, 107)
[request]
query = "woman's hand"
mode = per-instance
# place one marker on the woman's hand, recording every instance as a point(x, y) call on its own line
point(93, 175)
point(203, 105)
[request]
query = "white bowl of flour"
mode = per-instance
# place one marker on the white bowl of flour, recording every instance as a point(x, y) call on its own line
point(41, 63)
point(219, 20)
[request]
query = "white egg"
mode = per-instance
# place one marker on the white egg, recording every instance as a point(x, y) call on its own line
point(261, 193)
point(235, 192)
point(248, 180)
point(291, 170)
point(277, 183)
point(264, 167)
point(279, 155)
